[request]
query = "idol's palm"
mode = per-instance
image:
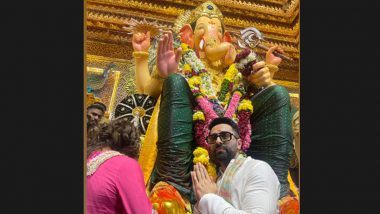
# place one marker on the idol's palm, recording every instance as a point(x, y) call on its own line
point(167, 58)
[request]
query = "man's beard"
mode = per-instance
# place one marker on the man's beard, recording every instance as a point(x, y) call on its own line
point(91, 123)
point(222, 155)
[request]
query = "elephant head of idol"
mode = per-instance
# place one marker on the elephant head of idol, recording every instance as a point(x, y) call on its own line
point(205, 33)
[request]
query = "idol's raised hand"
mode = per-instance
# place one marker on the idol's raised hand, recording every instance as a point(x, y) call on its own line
point(141, 41)
point(167, 58)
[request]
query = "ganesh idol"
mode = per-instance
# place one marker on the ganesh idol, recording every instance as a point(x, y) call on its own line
point(197, 74)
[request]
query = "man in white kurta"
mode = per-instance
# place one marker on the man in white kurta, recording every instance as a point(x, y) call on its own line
point(244, 185)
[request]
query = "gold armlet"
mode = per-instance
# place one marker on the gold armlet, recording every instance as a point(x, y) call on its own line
point(140, 54)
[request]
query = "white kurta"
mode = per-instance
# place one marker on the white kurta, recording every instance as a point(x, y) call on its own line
point(255, 189)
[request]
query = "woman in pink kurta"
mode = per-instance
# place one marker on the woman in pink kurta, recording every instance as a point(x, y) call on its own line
point(115, 182)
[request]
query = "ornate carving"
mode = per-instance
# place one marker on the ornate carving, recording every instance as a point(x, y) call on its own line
point(241, 5)
point(244, 23)
point(140, 6)
point(108, 50)
point(231, 20)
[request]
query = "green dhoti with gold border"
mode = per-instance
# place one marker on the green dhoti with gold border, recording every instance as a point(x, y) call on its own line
point(272, 139)
point(271, 134)
point(175, 143)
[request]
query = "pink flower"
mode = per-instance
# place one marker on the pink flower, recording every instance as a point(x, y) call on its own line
point(233, 105)
point(206, 106)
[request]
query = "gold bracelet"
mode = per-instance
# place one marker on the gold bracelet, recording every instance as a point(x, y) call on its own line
point(272, 68)
point(140, 54)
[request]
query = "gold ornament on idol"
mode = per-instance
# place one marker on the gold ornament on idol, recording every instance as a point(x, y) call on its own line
point(207, 9)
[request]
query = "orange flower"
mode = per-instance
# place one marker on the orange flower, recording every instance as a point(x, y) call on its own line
point(289, 205)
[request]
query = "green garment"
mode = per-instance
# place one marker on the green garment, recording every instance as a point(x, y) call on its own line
point(175, 137)
point(272, 136)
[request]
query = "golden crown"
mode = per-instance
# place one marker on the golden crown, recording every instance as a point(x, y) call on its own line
point(207, 9)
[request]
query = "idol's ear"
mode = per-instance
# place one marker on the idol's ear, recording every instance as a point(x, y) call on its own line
point(186, 34)
point(227, 37)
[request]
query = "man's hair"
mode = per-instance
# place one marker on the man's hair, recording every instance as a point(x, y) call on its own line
point(224, 120)
point(98, 105)
point(120, 134)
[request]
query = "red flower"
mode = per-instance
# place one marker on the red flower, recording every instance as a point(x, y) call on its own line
point(245, 129)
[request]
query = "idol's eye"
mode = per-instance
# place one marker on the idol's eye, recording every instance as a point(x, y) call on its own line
point(200, 26)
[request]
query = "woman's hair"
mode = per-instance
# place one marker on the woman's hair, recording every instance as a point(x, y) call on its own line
point(92, 133)
point(120, 134)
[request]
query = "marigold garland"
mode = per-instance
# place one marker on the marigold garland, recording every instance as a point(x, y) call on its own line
point(194, 82)
point(185, 48)
point(201, 155)
point(245, 105)
point(211, 106)
point(211, 170)
point(227, 83)
point(187, 68)
point(198, 115)
point(231, 73)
